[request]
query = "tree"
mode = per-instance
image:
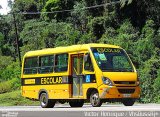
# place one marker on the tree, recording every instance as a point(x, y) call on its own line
point(56, 9)
point(26, 6)
point(149, 78)
point(1, 40)
point(145, 47)
point(79, 16)
point(47, 34)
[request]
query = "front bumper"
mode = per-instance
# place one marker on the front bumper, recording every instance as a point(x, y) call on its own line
point(112, 92)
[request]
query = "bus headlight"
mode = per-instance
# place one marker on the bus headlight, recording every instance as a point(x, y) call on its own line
point(107, 81)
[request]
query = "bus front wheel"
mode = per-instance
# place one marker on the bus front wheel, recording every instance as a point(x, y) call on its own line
point(128, 102)
point(45, 102)
point(95, 100)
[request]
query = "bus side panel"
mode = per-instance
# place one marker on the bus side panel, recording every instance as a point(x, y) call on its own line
point(30, 92)
point(60, 91)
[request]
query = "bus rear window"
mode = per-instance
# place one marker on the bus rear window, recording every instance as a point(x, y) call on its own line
point(30, 65)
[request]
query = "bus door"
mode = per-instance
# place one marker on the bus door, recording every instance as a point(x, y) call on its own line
point(77, 76)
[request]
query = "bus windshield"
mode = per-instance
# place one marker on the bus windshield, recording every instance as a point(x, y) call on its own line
point(112, 60)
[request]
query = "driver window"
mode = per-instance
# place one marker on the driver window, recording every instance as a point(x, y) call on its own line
point(88, 64)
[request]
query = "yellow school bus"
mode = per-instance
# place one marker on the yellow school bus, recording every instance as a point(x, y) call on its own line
point(76, 74)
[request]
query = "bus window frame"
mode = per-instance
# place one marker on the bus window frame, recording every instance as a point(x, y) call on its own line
point(85, 60)
point(31, 67)
point(56, 61)
point(39, 64)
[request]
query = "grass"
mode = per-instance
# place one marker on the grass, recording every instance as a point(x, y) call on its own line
point(14, 98)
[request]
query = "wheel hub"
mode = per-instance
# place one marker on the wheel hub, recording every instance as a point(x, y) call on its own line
point(43, 100)
point(95, 99)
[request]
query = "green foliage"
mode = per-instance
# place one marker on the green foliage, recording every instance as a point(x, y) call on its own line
point(5, 61)
point(149, 77)
point(79, 10)
point(109, 35)
point(145, 47)
point(156, 86)
point(52, 5)
point(11, 71)
point(36, 41)
point(87, 38)
point(10, 85)
point(125, 2)
point(79, 15)
point(15, 98)
point(57, 5)
point(5, 86)
point(66, 35)
point(156, 39)
point(125, 36)
point(24, 6)
point(1, 39)
point(9, 75)
point(47, 34)
point(157, 82)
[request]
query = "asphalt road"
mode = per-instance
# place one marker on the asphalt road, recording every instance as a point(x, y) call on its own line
point(64, 110)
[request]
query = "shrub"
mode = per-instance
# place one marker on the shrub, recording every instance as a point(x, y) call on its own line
point(156, 87)
point(150, 81)
point(10, 85)
point(5, 86)
point(10, 72)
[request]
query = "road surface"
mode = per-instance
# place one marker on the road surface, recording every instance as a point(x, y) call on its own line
point(64, 110)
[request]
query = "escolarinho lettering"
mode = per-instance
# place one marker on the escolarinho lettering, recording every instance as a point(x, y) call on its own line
point(110, 50)
point(51, 80)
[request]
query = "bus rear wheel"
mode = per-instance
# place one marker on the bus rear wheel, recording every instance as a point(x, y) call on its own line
point(76, 103)
point(95, 100)
point(45, 102)
point(128, 102)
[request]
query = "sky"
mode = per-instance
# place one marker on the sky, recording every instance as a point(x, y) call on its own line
point(5, 9)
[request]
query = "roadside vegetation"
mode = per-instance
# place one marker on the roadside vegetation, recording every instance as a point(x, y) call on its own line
point(14, 98)
point(133, 25)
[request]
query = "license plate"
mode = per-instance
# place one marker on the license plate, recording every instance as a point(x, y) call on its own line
point(126, 95)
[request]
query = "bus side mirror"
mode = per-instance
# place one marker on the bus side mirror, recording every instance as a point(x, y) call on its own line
point(86, 57)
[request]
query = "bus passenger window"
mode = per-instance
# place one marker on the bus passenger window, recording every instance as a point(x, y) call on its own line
point(88, 64)
point(30, 65)
point(61, 63)
point(46, 64)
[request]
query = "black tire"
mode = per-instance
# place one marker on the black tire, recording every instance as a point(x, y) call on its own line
point(95, 100)
point(45, 102)
point(76, 103)
point(128, 102)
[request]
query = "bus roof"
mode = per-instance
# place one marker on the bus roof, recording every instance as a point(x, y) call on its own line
point(66, 49)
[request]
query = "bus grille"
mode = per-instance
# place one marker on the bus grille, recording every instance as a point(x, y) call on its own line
point(124, 82)
point(129, 91)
